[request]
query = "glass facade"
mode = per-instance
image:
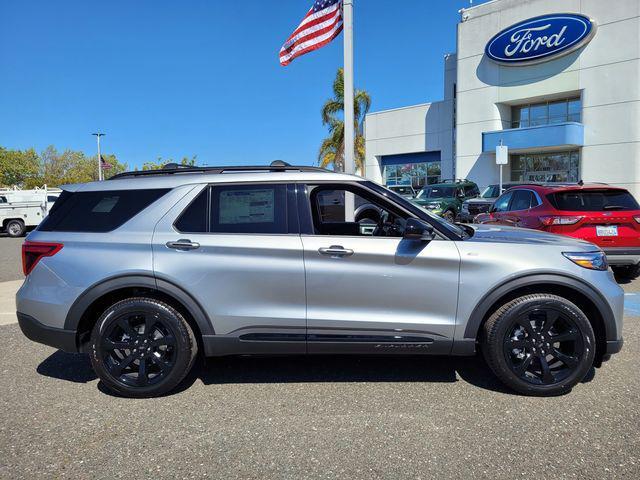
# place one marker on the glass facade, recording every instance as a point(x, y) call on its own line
point(415, 174)
point(546, 113)
point(546, 167)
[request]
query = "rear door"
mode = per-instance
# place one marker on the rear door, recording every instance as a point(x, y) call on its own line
point(369, 291)
point(236, 249)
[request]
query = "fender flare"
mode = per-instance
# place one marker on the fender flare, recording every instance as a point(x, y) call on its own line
point(576, 284)
point(97, 290)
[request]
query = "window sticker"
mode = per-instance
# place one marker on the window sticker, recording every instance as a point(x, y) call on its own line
point(247, 206)
point(105, 205)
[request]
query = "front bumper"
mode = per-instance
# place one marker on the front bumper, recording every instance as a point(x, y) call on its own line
point(623, 255)
point(40, 333)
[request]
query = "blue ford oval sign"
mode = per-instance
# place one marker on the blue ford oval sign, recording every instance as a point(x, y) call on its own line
point(541, 38)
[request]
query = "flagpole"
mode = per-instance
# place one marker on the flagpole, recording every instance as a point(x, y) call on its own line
point(349, 133)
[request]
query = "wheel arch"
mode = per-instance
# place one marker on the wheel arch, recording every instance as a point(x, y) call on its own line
point(87, 308)
point(591, 302)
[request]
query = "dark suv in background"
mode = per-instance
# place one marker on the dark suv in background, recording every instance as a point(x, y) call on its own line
point(598, 213)
point(446, 198)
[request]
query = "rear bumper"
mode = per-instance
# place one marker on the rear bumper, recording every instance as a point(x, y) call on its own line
point(623, 255)
point(40, 333)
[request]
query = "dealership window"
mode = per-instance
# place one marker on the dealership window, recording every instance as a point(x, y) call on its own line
point(546, 167)
point(415, 174)
point(546, 113)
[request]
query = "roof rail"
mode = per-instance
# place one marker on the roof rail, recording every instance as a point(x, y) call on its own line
point(172, 170)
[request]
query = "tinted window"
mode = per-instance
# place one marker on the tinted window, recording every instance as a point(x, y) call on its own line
point(97, 211)
point(471, 191)
point(249, 209)
point(194, 218)
point(437, 192)
point(521, 200)
point(594, 200)
point(502, 203)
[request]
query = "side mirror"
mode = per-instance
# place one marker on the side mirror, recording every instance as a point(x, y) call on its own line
point(419, 230)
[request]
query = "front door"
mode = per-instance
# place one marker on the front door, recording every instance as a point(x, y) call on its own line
point(369, 290)
point(236, 250)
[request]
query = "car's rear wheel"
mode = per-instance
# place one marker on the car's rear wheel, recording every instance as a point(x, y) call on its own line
point(626, 272)
point(15, 228)
point(142, 347)
point(539, 344)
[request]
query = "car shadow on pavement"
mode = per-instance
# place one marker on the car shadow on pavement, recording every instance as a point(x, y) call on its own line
point(76, 368)
point(72, 367)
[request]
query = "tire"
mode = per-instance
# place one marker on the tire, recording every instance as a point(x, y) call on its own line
point(526, 358)
point(142, 334)
point(15, 228)
point(449, 216)
point(626, 272)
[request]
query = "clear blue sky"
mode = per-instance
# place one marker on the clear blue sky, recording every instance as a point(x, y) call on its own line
point(173, 78)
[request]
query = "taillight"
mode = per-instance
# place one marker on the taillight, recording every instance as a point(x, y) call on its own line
point(560, 220)
point(32, 252)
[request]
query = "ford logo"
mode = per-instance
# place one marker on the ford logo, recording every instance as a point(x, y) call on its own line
point(540, 39)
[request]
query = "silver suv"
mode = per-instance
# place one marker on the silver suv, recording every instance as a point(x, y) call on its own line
point(149, 269)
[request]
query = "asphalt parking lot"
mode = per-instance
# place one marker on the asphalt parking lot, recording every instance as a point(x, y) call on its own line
point(316, 417)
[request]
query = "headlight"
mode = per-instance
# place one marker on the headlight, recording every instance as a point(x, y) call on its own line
point(590, 260)
point(465, 208)
point(434, 206)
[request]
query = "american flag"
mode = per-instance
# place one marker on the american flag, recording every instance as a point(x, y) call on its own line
point(104, 164)
point(322, 24)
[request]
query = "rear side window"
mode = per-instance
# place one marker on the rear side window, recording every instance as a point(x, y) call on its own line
point(521, 200)
point(194, 218)
point(259, 208)
point(97, 211)
point(593, 200)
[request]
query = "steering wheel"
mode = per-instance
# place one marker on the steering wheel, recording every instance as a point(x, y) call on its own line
point(385, 228)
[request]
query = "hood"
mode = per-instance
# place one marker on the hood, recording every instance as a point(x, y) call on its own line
point(487, 201)
point(500, 234)
point(427, 201)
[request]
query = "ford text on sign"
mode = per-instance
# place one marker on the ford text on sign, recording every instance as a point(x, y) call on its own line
point(541, 38)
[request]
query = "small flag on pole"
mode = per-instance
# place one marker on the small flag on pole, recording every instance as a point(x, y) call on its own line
point(322, 24)
point(104, 164)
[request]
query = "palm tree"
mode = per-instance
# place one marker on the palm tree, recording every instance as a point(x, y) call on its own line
point(332, 148)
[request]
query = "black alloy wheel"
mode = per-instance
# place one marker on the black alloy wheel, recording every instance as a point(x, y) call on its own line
point(142, 347)
point(544, 346)
point(539, 344)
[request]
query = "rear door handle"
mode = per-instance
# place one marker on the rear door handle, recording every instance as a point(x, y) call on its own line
point(336, 251)
point(183, 244)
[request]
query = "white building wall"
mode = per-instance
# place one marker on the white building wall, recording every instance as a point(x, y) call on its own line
point(606, 72)
point(420, 128)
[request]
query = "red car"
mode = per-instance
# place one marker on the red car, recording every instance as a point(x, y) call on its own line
point(598, 213)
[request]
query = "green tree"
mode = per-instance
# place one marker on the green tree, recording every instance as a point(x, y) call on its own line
point(332, 148)
point(161, 162)
point(18, 168)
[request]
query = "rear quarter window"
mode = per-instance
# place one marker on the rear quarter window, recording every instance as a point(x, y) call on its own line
point(593, 200)
point(97, 211)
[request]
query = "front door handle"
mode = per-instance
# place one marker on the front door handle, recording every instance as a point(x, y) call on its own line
point(183, 244)
point(336, 251)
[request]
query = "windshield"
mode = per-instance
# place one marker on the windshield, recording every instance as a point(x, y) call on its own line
point(492, 191)
point(594, 200)
point(419, 212)
point(436, 192)
point(402, 190)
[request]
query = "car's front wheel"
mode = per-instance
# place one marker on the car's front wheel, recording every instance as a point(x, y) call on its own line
point(142, 347)
point(539, 344)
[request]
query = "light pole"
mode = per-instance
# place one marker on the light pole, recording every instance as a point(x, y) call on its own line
point(98, 135)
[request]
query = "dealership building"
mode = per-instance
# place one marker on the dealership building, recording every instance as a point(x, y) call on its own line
point(558, 83)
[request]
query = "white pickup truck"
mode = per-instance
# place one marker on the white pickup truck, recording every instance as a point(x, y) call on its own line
point(21, 210)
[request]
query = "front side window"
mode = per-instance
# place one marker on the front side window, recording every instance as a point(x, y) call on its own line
point(437, 192)
point(371, 217)
point(502, 203)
